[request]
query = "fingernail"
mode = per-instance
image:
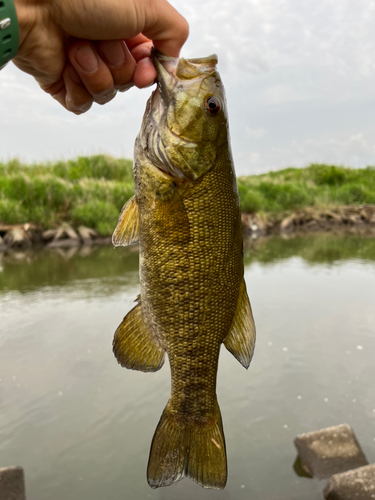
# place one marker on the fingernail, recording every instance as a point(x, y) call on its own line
point(124, 88)
point(77, 109)
point(87, 59)
point(114, 53)
point(74, 76)
point(105, 96)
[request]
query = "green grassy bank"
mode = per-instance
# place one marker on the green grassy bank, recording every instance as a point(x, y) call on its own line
point(92, 190)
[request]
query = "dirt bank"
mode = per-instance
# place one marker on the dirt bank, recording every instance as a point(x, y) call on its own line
point(355, 218)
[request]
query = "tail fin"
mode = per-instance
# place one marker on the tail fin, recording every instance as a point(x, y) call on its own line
point(183, 447)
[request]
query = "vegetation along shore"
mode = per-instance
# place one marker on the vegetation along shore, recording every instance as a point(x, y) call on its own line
point(69, 202)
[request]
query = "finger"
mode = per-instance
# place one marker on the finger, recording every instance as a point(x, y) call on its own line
point(120, 62)
point(141, 49)
point(145, 73)
point(77, 99)
point(135, 41)
point(93, 71)
point(57, 90)
point(167, 28)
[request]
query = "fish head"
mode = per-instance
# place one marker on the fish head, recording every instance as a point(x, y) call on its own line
point(185, 121)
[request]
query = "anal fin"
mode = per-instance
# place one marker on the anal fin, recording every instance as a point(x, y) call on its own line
point(127, 229)
point(240, 340)
point(135, 345)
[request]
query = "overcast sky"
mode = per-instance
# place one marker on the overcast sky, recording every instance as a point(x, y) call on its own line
point(299, 77)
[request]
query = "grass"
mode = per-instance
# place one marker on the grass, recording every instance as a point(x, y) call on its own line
point(92, 190)
point(317, 185)
point(88, 190)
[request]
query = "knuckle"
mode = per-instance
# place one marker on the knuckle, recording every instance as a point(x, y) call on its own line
point(184, 30)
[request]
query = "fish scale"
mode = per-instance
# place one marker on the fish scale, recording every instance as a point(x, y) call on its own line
point(186, 216)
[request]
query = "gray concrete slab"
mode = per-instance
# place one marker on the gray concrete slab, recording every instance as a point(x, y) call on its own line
point(12, 483)
point(329, 451)
point(357, 484)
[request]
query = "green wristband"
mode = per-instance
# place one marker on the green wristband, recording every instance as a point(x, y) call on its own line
point(9, 34)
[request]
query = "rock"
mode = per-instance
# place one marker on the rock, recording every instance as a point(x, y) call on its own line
point(261, 223)
point(64, 243)
point(247, 220)
point(357, 484)
point(312, 225)
point(2, 244)
point(17, 237)
point(65, 231)
point(287, 223)
point(332, 215)
point(12, 483)
point(61, 233)
point(328, 451)
point(49, 234)
point(87, 234)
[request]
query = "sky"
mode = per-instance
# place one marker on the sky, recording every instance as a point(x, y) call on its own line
point(299, 79)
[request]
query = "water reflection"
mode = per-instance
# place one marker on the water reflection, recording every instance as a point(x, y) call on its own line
point(82, 426)
point(59, 267)
point(323, 248)
point(29, 270)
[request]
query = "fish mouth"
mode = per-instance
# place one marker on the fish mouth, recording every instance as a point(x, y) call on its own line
point(166, 73)
point(171, 72)
point(151, 140)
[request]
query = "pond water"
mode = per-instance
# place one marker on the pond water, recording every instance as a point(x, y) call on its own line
point(81, 426)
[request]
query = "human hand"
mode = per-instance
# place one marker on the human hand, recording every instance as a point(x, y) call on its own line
point(83, 51)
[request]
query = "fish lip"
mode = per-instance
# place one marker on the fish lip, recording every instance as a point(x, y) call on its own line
point(166, 78)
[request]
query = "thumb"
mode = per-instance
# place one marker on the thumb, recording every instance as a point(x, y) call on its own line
point(167, 28)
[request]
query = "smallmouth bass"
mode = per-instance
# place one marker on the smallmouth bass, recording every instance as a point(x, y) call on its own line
point(186, 215)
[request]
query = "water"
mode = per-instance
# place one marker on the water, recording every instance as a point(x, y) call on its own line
point(81, 425)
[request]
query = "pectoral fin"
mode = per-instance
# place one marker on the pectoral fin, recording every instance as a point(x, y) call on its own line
point(240, 340)
point(135, 345)
point(127, 229)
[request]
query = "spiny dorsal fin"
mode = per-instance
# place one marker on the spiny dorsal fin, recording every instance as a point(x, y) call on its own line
point(135, 345)
point(127, 229)
point(240, 340)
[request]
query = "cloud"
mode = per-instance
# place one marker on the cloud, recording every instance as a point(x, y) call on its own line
point(257, 133)
point(299, 78)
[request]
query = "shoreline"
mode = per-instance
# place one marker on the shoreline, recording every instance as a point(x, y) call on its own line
point(351, 218)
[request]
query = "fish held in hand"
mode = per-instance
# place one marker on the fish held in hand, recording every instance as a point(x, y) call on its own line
point(186, 215)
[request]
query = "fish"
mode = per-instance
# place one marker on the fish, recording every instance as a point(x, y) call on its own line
point(185, 214)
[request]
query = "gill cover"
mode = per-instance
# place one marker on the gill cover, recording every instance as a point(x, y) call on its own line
point(185, 120)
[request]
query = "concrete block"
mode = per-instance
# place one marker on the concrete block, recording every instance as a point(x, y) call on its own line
point(12, 483)
point(329, 451)
point(357, 484)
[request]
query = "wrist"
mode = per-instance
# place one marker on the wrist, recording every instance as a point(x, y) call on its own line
point(9, 32)
point(26, 15)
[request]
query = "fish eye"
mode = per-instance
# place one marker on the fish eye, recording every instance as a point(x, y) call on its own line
point(213, 105)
